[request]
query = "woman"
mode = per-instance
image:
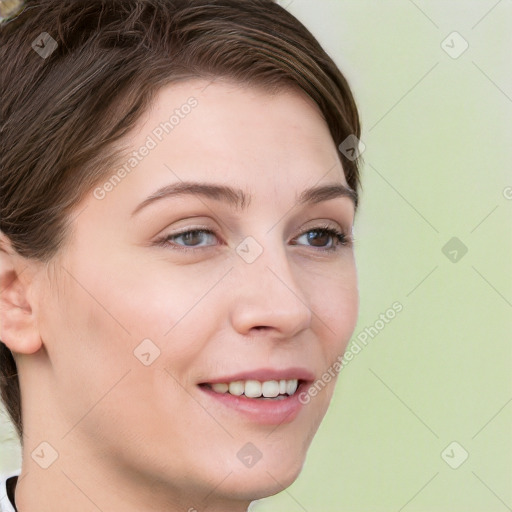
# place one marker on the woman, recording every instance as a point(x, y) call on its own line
point(176, 269)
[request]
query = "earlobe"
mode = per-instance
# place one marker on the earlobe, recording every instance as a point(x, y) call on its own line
point(18, 326)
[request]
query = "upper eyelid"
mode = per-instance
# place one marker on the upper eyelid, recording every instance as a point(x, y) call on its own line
point(344, 225)
point(303, 230)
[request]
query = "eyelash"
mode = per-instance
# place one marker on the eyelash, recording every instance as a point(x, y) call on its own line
point(341, 238)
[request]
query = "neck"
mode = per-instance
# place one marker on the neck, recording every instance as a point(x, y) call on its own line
point(77, 484)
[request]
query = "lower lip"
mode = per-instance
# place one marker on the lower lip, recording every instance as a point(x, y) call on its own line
point(263, 412)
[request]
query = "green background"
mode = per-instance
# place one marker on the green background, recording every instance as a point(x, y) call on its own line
point(437, 165)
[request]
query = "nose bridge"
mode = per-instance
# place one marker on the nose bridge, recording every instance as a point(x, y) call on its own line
point(268, 292)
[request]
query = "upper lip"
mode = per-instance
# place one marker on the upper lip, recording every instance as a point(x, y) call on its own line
point(266, 374)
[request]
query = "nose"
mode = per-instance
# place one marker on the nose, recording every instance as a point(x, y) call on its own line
point(267, 295)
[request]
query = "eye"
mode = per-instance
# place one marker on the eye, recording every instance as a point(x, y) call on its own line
point(325, 238)
point(191, 239)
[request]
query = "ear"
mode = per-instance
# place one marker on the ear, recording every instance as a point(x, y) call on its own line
point(18, 325)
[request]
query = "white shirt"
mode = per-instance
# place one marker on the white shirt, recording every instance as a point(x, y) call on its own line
point(5, 504)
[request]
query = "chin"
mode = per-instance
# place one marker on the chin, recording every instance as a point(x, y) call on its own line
point(282, 458)
point(258, 484)
point(270, 475)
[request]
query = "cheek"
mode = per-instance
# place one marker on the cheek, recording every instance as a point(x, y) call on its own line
point(108, 311)
point(93, 330)
point(335, 303)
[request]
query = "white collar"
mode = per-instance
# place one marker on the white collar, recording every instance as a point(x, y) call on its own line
point(5, 504)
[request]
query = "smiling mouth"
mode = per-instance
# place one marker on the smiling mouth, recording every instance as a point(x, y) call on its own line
point(255, 389)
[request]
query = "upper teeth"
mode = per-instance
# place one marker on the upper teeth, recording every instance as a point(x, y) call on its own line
point(255, 388)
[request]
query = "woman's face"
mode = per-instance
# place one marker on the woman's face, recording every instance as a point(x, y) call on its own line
point(138, 329)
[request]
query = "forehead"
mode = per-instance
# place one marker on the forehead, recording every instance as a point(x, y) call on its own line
point(271, 150)
point(266, 147)
point(223, 129)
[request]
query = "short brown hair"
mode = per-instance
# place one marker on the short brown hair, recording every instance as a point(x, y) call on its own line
point(63, 112)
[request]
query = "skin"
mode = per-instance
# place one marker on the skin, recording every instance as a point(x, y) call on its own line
point(132, 437)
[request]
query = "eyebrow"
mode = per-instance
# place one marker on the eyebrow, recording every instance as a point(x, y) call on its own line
point(238, 199)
